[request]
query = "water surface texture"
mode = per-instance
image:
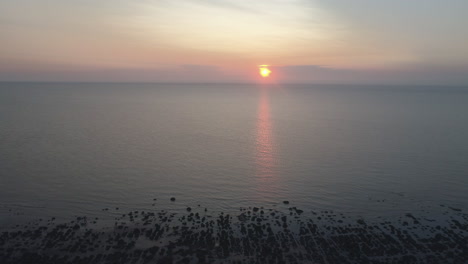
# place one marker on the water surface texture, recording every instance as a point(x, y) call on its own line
point(71, 149)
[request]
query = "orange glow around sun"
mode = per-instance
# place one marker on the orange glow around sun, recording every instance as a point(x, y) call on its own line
point(264, 71)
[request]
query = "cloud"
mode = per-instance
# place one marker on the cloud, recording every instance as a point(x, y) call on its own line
point(222, 40)
point(233, 5)
point(417, 74)
point(180, 74)
point(413, 74)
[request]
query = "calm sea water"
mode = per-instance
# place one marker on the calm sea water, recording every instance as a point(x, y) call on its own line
point(74, 149)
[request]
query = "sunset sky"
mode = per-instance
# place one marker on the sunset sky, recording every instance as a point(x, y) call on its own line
point(316, 41)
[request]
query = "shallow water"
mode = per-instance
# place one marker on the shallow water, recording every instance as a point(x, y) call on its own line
point(74, 149)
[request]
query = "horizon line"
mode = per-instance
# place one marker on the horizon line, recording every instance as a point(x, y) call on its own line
point(236, 83)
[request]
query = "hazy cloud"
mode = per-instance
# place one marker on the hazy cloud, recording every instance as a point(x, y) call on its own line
point(410, 74)
point(223, 40)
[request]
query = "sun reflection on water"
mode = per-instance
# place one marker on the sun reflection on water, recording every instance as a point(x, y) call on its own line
point(265, 155)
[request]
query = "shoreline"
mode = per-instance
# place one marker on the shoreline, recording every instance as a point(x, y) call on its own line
point(254, 235)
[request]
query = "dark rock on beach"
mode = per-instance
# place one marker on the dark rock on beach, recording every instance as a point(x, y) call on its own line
point(256, 235)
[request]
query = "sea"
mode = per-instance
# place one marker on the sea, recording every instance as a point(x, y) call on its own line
point(98, 149)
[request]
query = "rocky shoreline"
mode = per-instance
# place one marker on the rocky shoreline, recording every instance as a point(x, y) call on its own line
point(253, 235)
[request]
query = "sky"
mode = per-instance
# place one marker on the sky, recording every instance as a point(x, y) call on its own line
point(421, 42)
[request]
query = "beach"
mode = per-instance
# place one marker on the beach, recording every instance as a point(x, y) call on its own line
point(252, 235)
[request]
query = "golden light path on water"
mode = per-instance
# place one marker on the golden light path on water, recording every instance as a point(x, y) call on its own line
point(265, 153)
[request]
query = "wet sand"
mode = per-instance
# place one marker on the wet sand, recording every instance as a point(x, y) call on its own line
point(253, 235)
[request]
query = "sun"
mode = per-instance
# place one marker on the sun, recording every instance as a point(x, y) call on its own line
point(264, 71)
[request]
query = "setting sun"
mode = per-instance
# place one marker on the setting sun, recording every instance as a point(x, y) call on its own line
point(264, 71)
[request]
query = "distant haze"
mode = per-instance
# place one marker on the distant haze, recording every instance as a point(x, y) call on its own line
point(326, 41)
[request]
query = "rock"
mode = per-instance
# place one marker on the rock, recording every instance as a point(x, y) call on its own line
point(271, 237)
point(455, 209)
